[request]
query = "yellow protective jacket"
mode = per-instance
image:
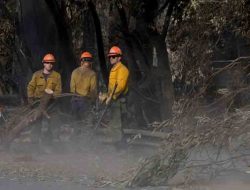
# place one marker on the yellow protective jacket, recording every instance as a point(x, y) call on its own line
point(118, 75)
point(38, 84)
point(84, 82)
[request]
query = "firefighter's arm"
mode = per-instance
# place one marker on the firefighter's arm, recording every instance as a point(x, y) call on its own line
point(31, 87)
point(93, 86)
point(58, 88)
point(122, 79)
point(72, 83)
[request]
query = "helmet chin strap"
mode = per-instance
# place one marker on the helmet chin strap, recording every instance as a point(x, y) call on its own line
point(46, 71)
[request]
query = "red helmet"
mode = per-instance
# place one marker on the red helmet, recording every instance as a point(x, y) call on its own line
point(115, 51)
point(49, 58)
point(86, 54)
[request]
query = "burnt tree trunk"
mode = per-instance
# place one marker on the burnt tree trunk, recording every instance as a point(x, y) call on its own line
point(42, 30)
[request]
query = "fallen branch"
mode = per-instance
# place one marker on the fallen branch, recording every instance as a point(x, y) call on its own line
point(160, 135)
point(23, 121)
point(192, 131)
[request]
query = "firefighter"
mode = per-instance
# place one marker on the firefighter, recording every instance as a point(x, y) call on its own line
point(118, 86)
point(43, 79)
point(84, 85)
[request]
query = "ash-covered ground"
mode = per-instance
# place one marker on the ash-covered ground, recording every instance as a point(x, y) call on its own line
point(69, 165)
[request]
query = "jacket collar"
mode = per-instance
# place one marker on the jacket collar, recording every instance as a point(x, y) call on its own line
point(83, 69)
point(116, 66)
point(41, 73)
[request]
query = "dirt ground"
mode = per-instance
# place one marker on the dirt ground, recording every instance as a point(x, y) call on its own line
point(95, 166)
point(89, 166)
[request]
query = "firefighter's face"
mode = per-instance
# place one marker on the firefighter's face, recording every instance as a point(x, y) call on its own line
point(86, 64)
point(48, 66)
point(114, 59)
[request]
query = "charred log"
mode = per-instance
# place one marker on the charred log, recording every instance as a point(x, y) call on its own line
point(19, 123)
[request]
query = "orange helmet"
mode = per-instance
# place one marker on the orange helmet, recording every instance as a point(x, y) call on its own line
point(86, 54)
point(49, 58)
point(115, 51)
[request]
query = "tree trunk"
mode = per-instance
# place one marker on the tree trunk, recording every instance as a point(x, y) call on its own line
point(164, 78)
point(43, 30)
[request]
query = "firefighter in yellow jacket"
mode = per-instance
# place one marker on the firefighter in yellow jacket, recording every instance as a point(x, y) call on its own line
point(84, 84)
point(43, 79)
point(118, 79)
